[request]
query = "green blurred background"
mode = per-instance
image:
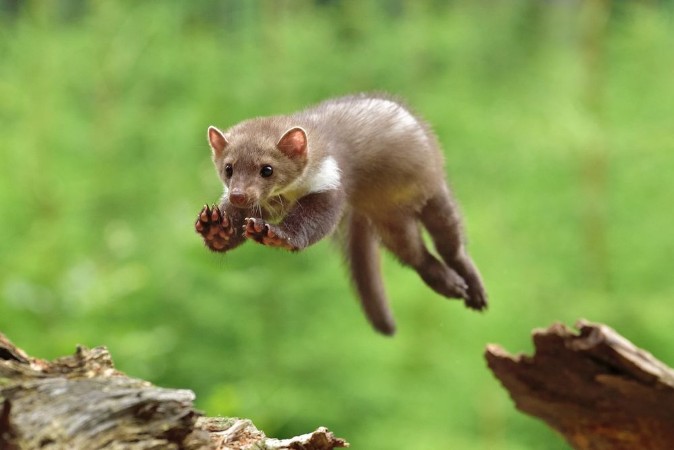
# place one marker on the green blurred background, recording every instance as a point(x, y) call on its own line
point(557, 120)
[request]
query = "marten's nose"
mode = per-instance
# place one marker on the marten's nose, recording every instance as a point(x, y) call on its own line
point(237, 197)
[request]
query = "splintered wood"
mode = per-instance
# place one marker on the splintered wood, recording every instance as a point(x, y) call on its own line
point(83, 402)
point(595, 387)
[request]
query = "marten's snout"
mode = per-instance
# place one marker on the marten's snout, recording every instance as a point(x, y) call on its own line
point(238, 198)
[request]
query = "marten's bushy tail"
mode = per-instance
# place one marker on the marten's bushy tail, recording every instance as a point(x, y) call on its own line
point(362, 252)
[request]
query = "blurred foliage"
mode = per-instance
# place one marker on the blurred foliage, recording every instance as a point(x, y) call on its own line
point(557, 124)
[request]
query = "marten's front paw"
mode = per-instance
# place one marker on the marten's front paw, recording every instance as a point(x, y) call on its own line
point(215, 227)
point(266, 234)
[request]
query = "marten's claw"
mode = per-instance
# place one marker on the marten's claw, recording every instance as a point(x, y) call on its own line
point(214, 227)
point(266, 234)
point(477, 298)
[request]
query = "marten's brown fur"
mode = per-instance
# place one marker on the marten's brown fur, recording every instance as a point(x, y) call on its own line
point(365, 160)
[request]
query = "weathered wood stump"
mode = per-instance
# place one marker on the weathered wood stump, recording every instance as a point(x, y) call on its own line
point(82, 402)
point(596, 388)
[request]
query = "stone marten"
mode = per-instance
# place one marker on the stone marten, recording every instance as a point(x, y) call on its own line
point(363, 160)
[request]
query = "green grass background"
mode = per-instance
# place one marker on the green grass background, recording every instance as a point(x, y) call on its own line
point(562, 160)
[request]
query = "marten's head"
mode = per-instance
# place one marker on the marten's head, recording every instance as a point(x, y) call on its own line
point(256, 166)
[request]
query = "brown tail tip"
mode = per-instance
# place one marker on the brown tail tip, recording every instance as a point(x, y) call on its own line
point(387, 328)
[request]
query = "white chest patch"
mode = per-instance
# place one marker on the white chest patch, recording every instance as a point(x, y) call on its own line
point(326, 178)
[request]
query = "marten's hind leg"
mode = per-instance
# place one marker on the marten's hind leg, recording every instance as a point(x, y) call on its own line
point(442, 220)
point(401, 235)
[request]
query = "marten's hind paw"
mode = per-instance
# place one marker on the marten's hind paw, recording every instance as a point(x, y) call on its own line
point(266, 233)
point(214, 226)
point(477, 298)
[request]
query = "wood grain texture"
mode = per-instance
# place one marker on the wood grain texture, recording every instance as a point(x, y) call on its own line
point(595, 387)
point(83, 402)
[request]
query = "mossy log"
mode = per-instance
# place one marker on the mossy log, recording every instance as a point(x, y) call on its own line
point(83, 402)
point(595, 387)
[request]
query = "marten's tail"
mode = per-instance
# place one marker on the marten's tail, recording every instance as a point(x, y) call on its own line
point(362, 252)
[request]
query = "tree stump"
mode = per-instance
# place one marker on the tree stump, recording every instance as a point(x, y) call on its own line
point(82, 402)
point(596, 388)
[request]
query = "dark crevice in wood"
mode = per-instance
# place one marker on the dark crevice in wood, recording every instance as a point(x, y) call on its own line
point(595, 387)
point(81, 401)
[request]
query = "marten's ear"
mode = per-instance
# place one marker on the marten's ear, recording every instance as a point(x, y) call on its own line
point(294, 143)
point(217, 141)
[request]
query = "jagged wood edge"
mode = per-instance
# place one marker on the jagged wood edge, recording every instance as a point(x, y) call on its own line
point(595, 387)
point(37, 396)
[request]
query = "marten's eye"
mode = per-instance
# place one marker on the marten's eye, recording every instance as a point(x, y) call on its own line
point(228, 170)
point(266, 171)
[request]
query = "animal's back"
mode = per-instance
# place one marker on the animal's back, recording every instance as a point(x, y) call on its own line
point(388, 156)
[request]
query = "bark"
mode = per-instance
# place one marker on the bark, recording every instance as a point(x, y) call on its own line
point(595, 387)
point(82, 402)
